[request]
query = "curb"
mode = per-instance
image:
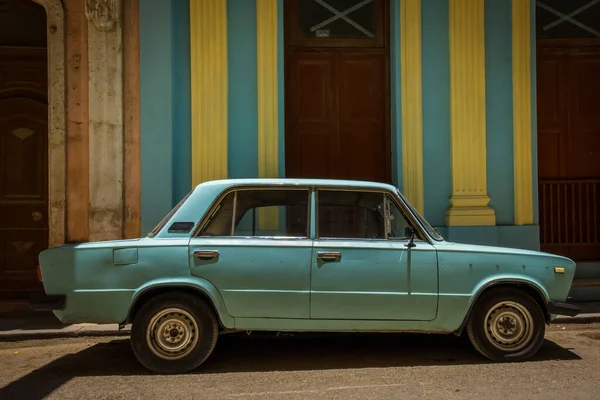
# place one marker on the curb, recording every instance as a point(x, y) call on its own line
point(29, 335)
point(591, 319)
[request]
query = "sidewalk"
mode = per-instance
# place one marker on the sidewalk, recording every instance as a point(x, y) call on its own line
point(44, 325)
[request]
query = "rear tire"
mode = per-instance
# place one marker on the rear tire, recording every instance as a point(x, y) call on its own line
point(174, 333)
point(506, 325)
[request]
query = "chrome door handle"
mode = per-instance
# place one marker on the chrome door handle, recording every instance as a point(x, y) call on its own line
point(206, 254)
point(329, 255)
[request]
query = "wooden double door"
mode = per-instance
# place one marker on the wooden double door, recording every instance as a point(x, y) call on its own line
point(337, 90)
point(568, 109)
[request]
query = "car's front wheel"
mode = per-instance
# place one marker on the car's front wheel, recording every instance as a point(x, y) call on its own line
point(174, 333)
point(506, 325)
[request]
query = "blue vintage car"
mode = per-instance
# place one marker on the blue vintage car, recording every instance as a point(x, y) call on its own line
point(302, 255)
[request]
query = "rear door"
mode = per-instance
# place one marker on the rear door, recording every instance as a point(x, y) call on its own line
point(256, 250)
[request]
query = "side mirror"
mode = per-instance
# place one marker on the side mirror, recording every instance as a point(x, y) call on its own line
point(410, 233)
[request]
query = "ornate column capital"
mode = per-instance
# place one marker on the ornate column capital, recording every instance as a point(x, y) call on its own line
point(104, 15)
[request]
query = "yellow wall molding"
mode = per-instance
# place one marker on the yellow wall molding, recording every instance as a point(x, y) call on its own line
point(209, 80)
point(469, 202)
point(268, 102)
point(521, 67)
point(412, 101)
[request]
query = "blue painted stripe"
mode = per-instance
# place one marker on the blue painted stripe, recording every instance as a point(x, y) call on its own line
point(499, 109)
point(396, 94)
point(243, 94)
point(155, 111)
point(181, 96)
point(437, 167)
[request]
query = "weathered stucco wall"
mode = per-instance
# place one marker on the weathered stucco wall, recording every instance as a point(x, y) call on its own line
point(94, 139)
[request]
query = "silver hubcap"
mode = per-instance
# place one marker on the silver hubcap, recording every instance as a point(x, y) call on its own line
point(509, 326)
point(172, 334)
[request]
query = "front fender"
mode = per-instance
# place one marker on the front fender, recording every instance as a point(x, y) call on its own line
point(507, 278)
point(201, 285)
point(497, 280)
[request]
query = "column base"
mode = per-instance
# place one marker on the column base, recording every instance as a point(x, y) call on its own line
point(470, 211)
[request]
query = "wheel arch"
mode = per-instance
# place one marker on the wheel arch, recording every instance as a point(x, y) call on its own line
point(534, 290)
point(213, 300)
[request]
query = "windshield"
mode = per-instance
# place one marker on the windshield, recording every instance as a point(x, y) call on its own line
point(166, 219)
point(430, 229)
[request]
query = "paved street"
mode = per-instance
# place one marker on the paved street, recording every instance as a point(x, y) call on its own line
point(308, 367)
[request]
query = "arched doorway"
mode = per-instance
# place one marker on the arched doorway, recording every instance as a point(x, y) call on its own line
point(24, 216)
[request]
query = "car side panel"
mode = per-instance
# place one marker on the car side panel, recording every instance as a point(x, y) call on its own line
point(374, 280)
point(466, 271)
point(101, 280)
point(257, 277)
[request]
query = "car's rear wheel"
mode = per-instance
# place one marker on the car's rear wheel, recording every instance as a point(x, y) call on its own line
point(174, 333)
point(506, 325)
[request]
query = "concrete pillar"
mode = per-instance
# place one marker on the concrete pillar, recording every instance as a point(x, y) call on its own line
point(105, 55)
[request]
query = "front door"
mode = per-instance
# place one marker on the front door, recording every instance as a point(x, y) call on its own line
point(360, 273)
point(259, 260)
point(337, 89)
point(23, 168)
point(568, 94)
point(569, 147)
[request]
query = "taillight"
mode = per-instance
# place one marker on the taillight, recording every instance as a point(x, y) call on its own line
point(39, 273)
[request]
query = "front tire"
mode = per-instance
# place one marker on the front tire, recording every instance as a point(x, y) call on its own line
point(507, 325)
point(174, 333)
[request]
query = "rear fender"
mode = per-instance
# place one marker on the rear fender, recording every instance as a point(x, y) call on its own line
point(202, 286)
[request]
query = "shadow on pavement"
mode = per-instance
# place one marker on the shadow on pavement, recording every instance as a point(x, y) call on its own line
point(35, 321)
point(266, 352)
point(589, 307)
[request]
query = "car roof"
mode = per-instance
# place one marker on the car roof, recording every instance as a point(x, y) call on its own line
point(224, 183)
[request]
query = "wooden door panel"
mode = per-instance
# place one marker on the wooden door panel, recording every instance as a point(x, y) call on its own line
point(552, 116)
point(19, 250)
point(22, 159)
point(362, 116)
point(312, 120)
point(584, 115)
point(23, 194)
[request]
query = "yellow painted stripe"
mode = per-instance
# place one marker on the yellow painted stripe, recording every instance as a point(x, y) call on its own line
point(268, 118)
point(412, 101)
point(208, 42)
point(469, 202)
point(521, 67)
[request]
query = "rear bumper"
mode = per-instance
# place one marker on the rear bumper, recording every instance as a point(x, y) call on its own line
point(559, 308)
point(44, 302)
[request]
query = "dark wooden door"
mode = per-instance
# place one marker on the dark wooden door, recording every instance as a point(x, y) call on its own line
point(23, 194)
point(337, 116)
point(569, 147)
point(337, 90)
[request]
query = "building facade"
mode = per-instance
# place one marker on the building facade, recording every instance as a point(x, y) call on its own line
point(480, 111)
